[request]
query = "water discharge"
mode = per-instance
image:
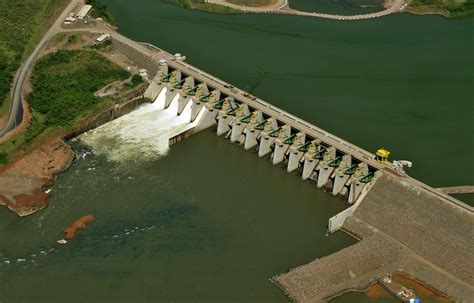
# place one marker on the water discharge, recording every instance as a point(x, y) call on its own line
point(144, 133)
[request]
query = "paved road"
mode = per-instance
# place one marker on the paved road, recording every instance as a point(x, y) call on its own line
point(467, 189)
point(16, 109)
point(282, 7)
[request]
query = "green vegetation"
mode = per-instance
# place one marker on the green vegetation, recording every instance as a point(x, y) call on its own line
point(135, 81)
point(99, 10)
point(64, 84)
point(455, 8)
point(21, 23)
point(73, 38)
point(3, 158)
point(203, 6)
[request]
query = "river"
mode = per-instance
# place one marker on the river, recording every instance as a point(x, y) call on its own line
point(205, 221)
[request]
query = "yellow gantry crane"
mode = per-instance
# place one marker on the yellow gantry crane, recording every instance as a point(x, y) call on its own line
point(382, 155)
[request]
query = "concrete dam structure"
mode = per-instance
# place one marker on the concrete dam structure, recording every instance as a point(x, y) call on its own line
point(302, 148)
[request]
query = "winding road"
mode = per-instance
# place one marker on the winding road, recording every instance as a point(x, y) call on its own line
point(16, 109)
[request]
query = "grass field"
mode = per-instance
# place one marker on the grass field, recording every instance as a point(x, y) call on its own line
point(21, 24)
point(64, 84)
point(455, 8)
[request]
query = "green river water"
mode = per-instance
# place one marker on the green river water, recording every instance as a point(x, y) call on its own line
point(211, 223)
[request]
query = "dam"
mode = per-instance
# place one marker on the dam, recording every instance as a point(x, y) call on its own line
point(384, 201)
point(302, 148)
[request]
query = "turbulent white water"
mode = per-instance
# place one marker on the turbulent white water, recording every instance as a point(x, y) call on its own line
point(143, 133)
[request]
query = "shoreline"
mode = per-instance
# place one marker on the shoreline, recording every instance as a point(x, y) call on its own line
point(25, 182)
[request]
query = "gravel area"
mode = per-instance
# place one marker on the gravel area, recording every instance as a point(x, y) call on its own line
point(353, 268)
point(411, 231)
point(433, 229)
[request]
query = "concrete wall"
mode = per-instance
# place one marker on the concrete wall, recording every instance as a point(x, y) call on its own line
point(335, 222)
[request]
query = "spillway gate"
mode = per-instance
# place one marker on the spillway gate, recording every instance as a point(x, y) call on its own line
point(302, 148)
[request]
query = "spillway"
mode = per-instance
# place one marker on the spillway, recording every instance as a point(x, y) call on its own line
point(143, 133)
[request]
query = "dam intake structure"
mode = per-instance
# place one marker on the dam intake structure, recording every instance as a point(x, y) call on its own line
point(300, 147)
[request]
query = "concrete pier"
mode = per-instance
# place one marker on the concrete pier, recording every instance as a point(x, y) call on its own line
point(325, 167)
point(310, 160)
point(296, 152)
point(343, 173)
point(356, 182)
point(267, 138)
point(280, 147)
point(253, 130)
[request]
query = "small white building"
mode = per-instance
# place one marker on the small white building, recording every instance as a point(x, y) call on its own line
point(84, 11)
point(103, 37)
point(70, 20)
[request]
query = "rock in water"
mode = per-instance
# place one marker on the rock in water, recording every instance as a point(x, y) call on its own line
point(79, 224)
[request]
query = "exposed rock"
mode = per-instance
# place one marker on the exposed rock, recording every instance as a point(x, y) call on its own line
point(70, 232)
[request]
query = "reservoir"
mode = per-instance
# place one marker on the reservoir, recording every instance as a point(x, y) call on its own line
point(207, 222)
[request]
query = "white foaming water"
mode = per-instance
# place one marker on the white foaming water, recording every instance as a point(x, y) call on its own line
point(143, 133)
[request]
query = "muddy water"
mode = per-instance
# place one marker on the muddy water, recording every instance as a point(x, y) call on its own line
point(208, 222)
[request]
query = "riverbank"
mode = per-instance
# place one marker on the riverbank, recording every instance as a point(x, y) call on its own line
point(36, 150)
point(24, 182)
point(446, 8)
